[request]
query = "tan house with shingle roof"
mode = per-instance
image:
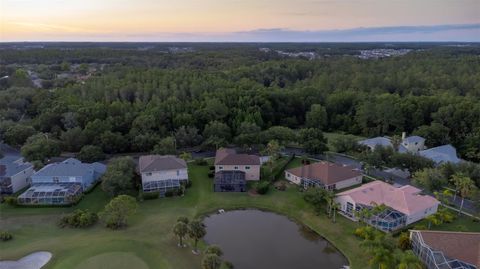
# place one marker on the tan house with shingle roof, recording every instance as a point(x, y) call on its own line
point(444, 249)
point(230, 160)
point(160, 173)
point(324, 174)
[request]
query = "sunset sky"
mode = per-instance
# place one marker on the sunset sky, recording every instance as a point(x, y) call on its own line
point(239, 20)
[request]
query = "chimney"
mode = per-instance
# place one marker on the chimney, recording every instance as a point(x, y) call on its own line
point(404, 135)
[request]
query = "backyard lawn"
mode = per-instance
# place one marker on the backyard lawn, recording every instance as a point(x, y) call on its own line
point(148, 241)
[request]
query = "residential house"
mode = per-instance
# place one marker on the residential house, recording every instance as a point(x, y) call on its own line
point(14, 174)
point(62, 183)
point(70, 171)
point(446, 250)
point(326, 175)
point(162, 173)
point(404, 205)
point(441, 154)
point(230, 160)
point(411, 144)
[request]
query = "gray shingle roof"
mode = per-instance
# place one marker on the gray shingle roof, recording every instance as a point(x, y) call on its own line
point(71, 167)
point(414, 138)
point(441, 154)
point(12, 165)
point(377, 141)
point(153, 163)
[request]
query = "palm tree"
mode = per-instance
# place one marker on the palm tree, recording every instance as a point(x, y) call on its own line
point(335, 207)
point(363, 214)
point(433, 219)
point(382, 258)
point(213, 249)
point(330, 200)
point(180, 230)
point(196, 231)
point(211, 261)
point(407, 260)
point(465, 187)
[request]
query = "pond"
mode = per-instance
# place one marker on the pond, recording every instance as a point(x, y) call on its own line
point(256, 239)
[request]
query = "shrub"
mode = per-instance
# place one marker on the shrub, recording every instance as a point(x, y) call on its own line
point(5, 236)
point(169, 193)
point(228, 265)
point(404, 241)
point(150, 195)
point(211, 167)
point(201, 162)
point(262, 187)
point(179, 192)
point(118, 211)
point(10, 200)
point(79, 219)
point(211, 174)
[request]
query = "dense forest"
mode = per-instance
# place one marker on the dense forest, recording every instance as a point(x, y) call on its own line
point(211, 95)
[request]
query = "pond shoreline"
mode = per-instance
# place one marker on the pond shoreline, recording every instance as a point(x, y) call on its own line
point(296, 240)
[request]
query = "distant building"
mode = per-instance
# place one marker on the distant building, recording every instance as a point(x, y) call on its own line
point(326, 175)
point(14, 174)
point(371, 143)
point(230, 160)
point(162, 173)
point(441, 154)
point(405, 205)
point(62, 183)
point(412, 144)
point(230, 181)
point(447, 250)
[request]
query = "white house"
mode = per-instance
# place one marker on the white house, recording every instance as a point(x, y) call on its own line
point(404, 205)
point(14, 174)
point(162, 173)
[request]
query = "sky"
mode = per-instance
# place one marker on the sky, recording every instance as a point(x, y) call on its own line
point(240, 20)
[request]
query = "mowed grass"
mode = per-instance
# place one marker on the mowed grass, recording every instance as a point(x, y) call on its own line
point(148, 240)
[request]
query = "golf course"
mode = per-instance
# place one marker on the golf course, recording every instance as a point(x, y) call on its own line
point(148, 241)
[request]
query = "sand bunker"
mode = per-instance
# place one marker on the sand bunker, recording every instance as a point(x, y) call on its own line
point(35, 260)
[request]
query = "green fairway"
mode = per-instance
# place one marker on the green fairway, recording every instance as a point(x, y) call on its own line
point(148, 241)
point(113, 260)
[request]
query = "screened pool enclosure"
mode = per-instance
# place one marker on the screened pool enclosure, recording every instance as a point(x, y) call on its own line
point(434, 259)
point(51, 194)
point(162, 186)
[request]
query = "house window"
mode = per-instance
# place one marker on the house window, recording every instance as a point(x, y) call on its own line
point(178, 172)
point(247, 167)
point(220, 167)
point(236, 168)
point(288, 175)
point(55, 180)
point(149, 174)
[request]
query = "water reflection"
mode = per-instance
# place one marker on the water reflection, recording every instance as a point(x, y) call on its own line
point(253, 239)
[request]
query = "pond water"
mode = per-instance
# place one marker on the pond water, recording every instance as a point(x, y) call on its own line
point(253, 239)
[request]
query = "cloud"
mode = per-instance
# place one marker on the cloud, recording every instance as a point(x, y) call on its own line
point(432, 33)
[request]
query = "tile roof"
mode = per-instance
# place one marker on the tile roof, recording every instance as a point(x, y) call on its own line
point(325, 172)
point(441, 154)
point(153, 163)
point(406, 199)
point(230, 157)
point(71, 167)
point(455, 245)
